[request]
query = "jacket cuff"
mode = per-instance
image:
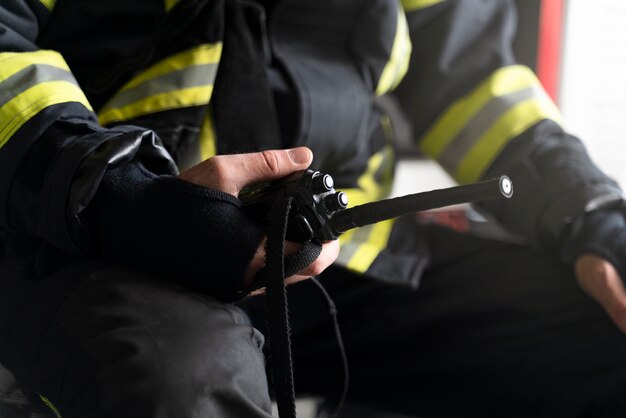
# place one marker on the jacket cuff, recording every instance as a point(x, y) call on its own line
point(193, 235)
point(601, 232)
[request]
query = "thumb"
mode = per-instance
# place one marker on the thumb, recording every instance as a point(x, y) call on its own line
point(231, 173)
point(268, 165)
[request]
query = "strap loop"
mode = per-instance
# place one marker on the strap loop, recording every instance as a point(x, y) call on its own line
point(277, 312)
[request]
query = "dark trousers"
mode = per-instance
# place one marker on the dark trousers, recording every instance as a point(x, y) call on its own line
point(493, 330)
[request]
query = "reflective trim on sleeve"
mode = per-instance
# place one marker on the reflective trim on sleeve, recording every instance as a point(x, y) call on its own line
point(169, 4)
point(413, 5)
point(361, 246)
point(31, 82)
point(50, 405)
point(365, 245)
point(48, 4)
point(468, 136)
point(398, 63)
point(182, 80)
point(12, 63)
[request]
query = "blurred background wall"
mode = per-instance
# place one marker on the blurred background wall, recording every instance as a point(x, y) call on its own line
point(578, 49)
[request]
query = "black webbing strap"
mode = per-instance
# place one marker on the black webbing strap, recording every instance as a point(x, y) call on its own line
point(277, 313)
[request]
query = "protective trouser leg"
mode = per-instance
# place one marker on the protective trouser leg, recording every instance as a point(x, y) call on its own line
point(494, 330)
point(101, 340)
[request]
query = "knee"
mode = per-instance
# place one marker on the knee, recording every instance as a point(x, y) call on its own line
point(214, 342)
point(158, 347)
point(211, 360)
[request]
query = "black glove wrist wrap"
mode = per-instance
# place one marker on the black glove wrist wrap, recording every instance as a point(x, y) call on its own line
point(190, 234)
point(601, 232)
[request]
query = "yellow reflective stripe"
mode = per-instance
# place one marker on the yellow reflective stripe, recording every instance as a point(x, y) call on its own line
point(177, 81)
point(203, 54)
point(412, 5)
point(367, 252)
point(508, 126)
point(23, 107)
point(359, 247)
point(170, 3)
point(369, 190)
point(208, 144)
point(48, 4)
point(42, 79)
point(398, 63)
point(346, 238)
point(194, 96)
point(503, 81)
point(13, 62)
point(50, 405)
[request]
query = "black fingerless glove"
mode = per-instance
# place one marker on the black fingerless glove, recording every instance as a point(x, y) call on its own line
point(193, 235)
point(602, 232)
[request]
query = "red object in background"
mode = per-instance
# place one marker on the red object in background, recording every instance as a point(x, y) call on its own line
point(549, 45)
point(452, 218)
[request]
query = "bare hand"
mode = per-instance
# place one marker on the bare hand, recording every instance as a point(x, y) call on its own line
point(600, 280)
point(231, 173)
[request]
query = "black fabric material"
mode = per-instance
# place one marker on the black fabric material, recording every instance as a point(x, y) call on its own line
point(324, 56)
point(403, 261)
point(277, 268)
point(17, 150)
point(243, 108)
point(286, 102)
point(20, 23)
point(293, 264)
point(456, 45)
point(101, 340)
point(555, 183)
point(179, 131)
point(601, 232)
point(149, 35)
point(494, 330)
point(59, 371)
point(473, 341)
point(57, 179)
point(190, 234)
point(75, 27)
point(278, 328)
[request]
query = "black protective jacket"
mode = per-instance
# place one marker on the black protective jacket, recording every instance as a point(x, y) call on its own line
point(103, 101)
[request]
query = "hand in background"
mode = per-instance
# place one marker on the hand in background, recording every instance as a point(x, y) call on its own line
point(231, 173)
point(600, 280)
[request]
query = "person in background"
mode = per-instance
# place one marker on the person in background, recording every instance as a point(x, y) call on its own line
point(127, 130)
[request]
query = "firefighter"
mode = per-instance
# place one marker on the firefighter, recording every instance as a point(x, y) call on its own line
point(127, 130)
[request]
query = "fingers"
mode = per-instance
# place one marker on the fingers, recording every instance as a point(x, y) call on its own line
point(600, 280)
point(330, 251)
point(231, 173)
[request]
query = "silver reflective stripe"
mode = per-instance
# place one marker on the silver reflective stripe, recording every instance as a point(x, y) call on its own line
point(193, 76)
point(31, 82)
point(29, 77)
point(460, 145)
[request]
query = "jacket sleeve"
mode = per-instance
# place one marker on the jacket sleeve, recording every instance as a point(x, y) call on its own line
point(52, 150)
point(480, 114)
point(91, 190)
